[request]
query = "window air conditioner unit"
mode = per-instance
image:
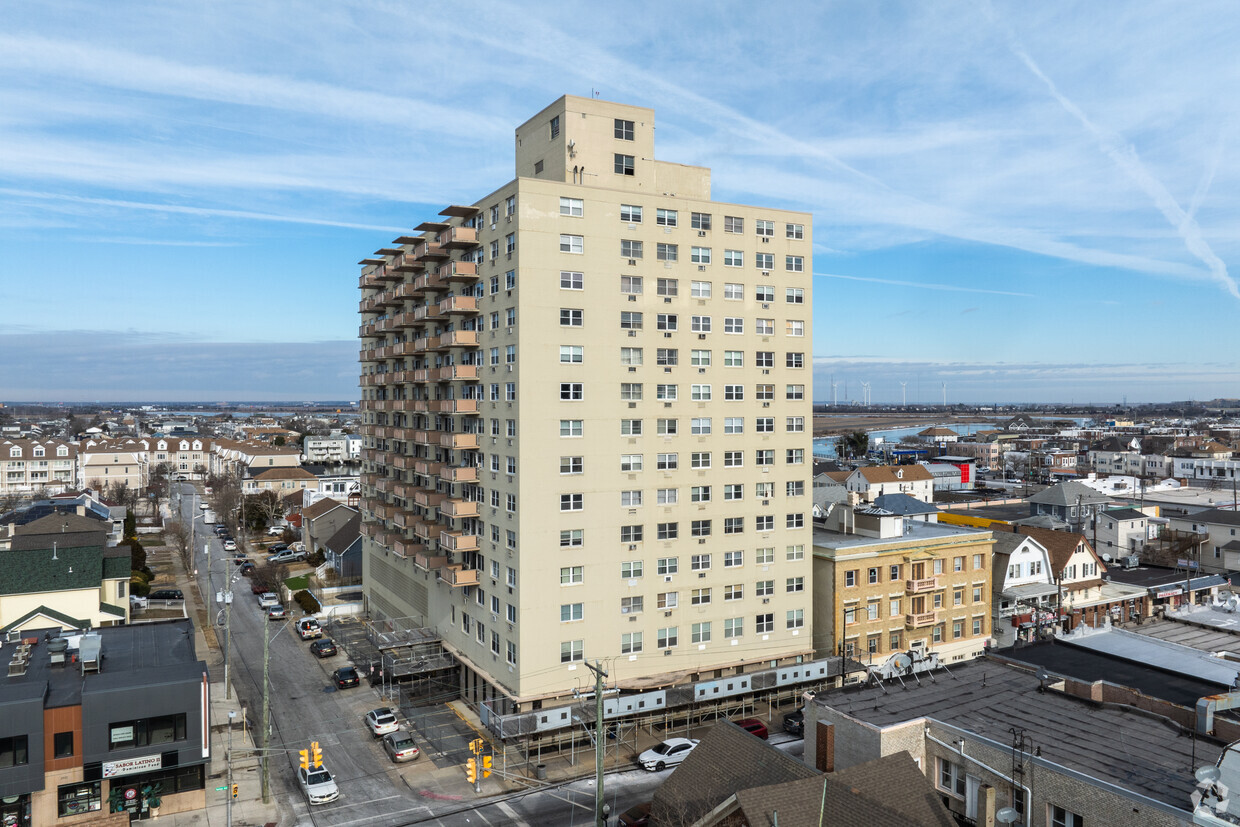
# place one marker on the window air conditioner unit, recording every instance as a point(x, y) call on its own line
point(632, 298)
point(702, 267)
point(632, 370)
point(632, 262)
point(667, 299)
point(667, 651)
point(701, 234)
point(667, 614)
point(632, 332)
point(766, 239)
point(667, 578)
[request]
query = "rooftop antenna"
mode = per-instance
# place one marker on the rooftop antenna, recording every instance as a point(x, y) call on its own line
point(54, 557)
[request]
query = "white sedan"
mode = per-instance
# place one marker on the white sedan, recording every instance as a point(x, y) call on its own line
point(667, 754)
point(318, 785)
point(381, 721)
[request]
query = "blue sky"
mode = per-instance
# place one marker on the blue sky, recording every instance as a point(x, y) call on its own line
point(1024, 202)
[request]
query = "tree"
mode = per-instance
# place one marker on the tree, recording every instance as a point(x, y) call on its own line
point(225, 496)
point(279, 441)
point(856, 444)
point(263, 509)
point(178, 535)
point(158, 485)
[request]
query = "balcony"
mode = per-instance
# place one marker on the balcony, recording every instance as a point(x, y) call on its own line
point(457, 373)
point(427, 468)
point(404, 320)
point(457, 406)
point(406, 548)
point(921, 620)
point(459, 338)
point(459, 238)
point(403, 462)
point(457, 575)
point(926, 584)
point(427, 561)
point(456, 509)
point(459, 442)
point(404, 490)
point(388, 274)
point(429, 252)
point(458, 474)
point(382, 510)
point(406, 519)
point(427, 312)
point(458, 271)
point(458, 541)
point(406, 263)
point(428, 499)
point(459, 304)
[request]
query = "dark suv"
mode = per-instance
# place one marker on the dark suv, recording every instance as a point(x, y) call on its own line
point(794, 723)
point(166, 594)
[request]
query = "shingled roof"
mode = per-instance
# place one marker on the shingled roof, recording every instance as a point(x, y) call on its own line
point(895, 473)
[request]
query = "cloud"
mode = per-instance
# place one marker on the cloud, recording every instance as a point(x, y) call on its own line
point(922, 285)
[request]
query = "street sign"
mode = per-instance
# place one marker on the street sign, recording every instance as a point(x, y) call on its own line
point(221, 789)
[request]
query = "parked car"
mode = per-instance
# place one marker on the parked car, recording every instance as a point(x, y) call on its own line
point(268, 599)
point(258, 587)
point(345, 677)
point(318, 785)
point(166, 594)
point(247, 568)
point(400, 747)
point(324, 648)
point(794, 723)
point(204, 505)
point(381, 721)
point(221, 530)
point(240, 559)
point(286, 556)
point(230, 544)
point(309, 628)
point(637, 816)
point(669, 753)
point(277, 548)
point(275, 530)
point(136, 602)
point(275, 612)
point(754, 727)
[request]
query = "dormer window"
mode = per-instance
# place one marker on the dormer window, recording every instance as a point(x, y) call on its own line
point(38, 452)
point(15, 451)
point(62, 451)
point(899, 473)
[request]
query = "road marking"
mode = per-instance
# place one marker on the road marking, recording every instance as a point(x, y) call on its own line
point(507, 810)
point(365, 819)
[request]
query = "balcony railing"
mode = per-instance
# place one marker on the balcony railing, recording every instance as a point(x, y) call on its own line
point(921, 620)
point(427, 561)
point(925, 584)
point(458, 541)
point(459, 508)
point(456, 575)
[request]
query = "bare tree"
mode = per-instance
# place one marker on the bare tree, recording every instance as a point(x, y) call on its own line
point(264, 507)
point(225, 496)
point(157, 485)
point(178, 535)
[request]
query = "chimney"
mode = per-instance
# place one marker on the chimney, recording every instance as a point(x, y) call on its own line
point(824, 755)
point(986, 806)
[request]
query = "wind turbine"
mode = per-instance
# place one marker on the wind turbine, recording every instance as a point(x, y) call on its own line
point(904, 394)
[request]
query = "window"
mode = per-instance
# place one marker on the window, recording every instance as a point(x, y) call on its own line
point(699, 597)
point(631, 462)
point(794, 392)
point(700, 358)
point(571, 391)
point(764, 456)
point(629, 320)
point(734, 424)
point(794, 360)
point(764, 261)
point(631, 569)
point(572, 538)
point(700, 289)
point(510, 354)
point(734, 525)
point(571, 354)
point(630, 643)
point(571, 576)
point(555, 130)
point(700, 425)
point(572, 317)
point(794, 424)
point(631, 285)
point(733, 459)
point(14, 751)
point(733, 559)
point(699, 459)
point(572, 206)
point(62, 745)
point(699, 255)
point(510, 653)
point(630, 356)
point(699, 393)
point(733, 258)
point(631, 213)
point(632, 533)
point(977, 561)
point(794, 295)
point(733, 324)
point(665, 218)
point(667, 357)
point(630, 427)
point(700, 528)
point(764, 522)
point(668, 637)
point(794, 264)
point(794, 456)
point(571, 427)
point(572, 650)
point(765, 425)
point(75, 799)
point(733, 224)
point(630, 248)
point(733, 491)
point(571, 281)
point(510, 243)
point(667, 496)
point(623, 164)
point(571, 502)
point(666, 252)
point(699, 324)
point(667, 600)
point(764, 327)
point(631, 391)
point(667, 565)
point(624, 130)
point(764, 623)
point(733, 627)
point(795, 231)
point(734, 359)
point(977, 627)
point(666, 462)
point(951, 777)
point(764, 556)
point(764, 228)
point(701, 632)
point(668, 287)
point(764, 293)
point(666, 427)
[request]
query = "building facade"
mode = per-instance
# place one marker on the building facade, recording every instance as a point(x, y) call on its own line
point(586, 403)
point(34, 464)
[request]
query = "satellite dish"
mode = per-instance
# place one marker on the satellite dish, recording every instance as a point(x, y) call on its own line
point(902, 662)
point(1106, 558)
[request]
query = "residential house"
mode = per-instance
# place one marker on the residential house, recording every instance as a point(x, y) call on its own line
point(240, 458)
point(732, 778)
point(280, 479)
point(326, 450)
point(1119, 531)
point(985, 454)
point(1025, 592)
point(34, 464)
point(1219, 529)
point(883, 584)
point(67, 576)
point(938, 436)
point(104, 463)
point(910, 508)
point(322, 520)
point(1072, 502)
point(342, 552)
point(875, 480)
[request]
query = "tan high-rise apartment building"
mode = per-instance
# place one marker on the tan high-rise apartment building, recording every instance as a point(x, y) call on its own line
point(587, 420)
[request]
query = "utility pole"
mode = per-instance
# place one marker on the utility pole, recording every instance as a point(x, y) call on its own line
point(228, 640)
point(266, 711)
point(231, 714)
point(600, 813)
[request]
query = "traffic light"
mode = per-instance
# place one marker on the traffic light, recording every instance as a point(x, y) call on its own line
point(471, 770)
point(234, 791)
point(305, 758)
point(316, 754)
point(486, 766)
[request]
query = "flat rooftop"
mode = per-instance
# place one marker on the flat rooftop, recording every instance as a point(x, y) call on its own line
point(1147, 576)
point(913, 530)
point(1004, 512)
point(1207, 629)
point(1131, 749)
